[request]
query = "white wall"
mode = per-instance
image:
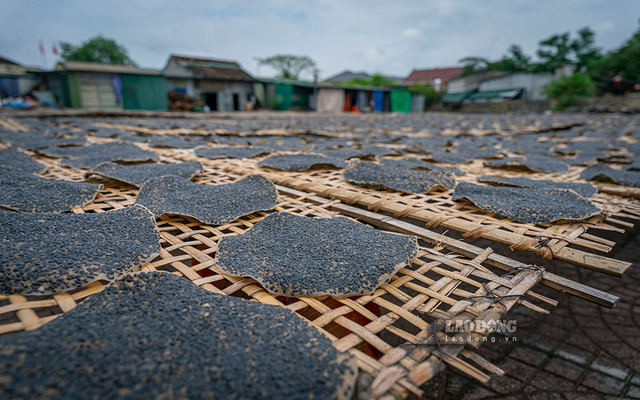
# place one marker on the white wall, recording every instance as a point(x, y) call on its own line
point(533, 84)
point(172, 69)
point(180, 77)
point(330, 100)
point(188, 84)
point(469, 82)
point(458, 85)
point(26, 83)
point(243, 89)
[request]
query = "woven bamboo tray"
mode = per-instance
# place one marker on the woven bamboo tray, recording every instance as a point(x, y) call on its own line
point(222, 168)
point(397, 333)
point(12, 124)
point(473, 125)
point(565, 241)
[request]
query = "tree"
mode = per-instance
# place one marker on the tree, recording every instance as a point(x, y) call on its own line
point(516, 59)
point(585, 53)
point(554, 50)
point(561, 49)
point(99, 50)
point(473, 64)
point(568, 88)
point(624, 62)
point(288, 66)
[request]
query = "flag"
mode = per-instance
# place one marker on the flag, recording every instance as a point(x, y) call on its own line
point(41, 48)
point(54, 50)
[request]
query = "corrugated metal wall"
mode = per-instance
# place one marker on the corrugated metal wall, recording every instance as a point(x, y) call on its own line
point(282, 98)
point(96, 91)
point(417, 103)
point(72, 82)
point(144, 92)
point(401, 101)
point(378, 98)
point(361, 100)
point(300, 97)
point(330, 100)
point(9, 86)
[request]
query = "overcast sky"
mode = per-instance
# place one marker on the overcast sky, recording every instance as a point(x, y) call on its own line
point(388, 36)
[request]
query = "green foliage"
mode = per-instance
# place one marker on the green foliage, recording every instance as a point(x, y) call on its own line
point(624, 61)
point(561, 49)
point(556, 49)
point(289, 66)
point(99, 50)
point(515, 60)
point(276, 103)
point(584, 50)
point(472, 64)
point(568, 88)
point(552, 51)
point(431, 95)
point(376, 80)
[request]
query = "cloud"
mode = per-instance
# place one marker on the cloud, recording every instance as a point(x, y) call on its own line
point(410, 32)
point(604, 26)
point(383, 36)
point(372, 54)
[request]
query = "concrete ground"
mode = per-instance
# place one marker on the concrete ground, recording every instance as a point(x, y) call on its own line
point(579, 351)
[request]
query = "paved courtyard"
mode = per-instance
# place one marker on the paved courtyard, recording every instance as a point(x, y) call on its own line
point(579, 351)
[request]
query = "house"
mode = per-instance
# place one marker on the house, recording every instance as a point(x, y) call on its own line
point(460, 88)
point(15, 79)
point(330, 100)
point(400, 100)
point(97, 86)
point(399, 80)
point(287, 94)
point(364, 97)
point(530, 84)
point(497, 86)
point(383, 99)
point(221, 84)
point(438, 77)
point(347, 76)
point(471, 81)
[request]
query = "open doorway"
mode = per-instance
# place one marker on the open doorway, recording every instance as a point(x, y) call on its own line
point(236, 102)
point(211, 99)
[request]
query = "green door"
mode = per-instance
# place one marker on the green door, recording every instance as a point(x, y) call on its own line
point(283, 96)
point(144, 92)
point(401, 101)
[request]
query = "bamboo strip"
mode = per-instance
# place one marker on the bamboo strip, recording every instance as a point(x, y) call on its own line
point(517, 242)
point(549, 279)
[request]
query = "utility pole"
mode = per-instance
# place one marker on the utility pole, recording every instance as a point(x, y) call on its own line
point(43, 53)
point(316, 72)
point(257, 60)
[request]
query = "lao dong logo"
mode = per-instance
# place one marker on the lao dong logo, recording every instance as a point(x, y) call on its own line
point(477, 331)
point(482, 327)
